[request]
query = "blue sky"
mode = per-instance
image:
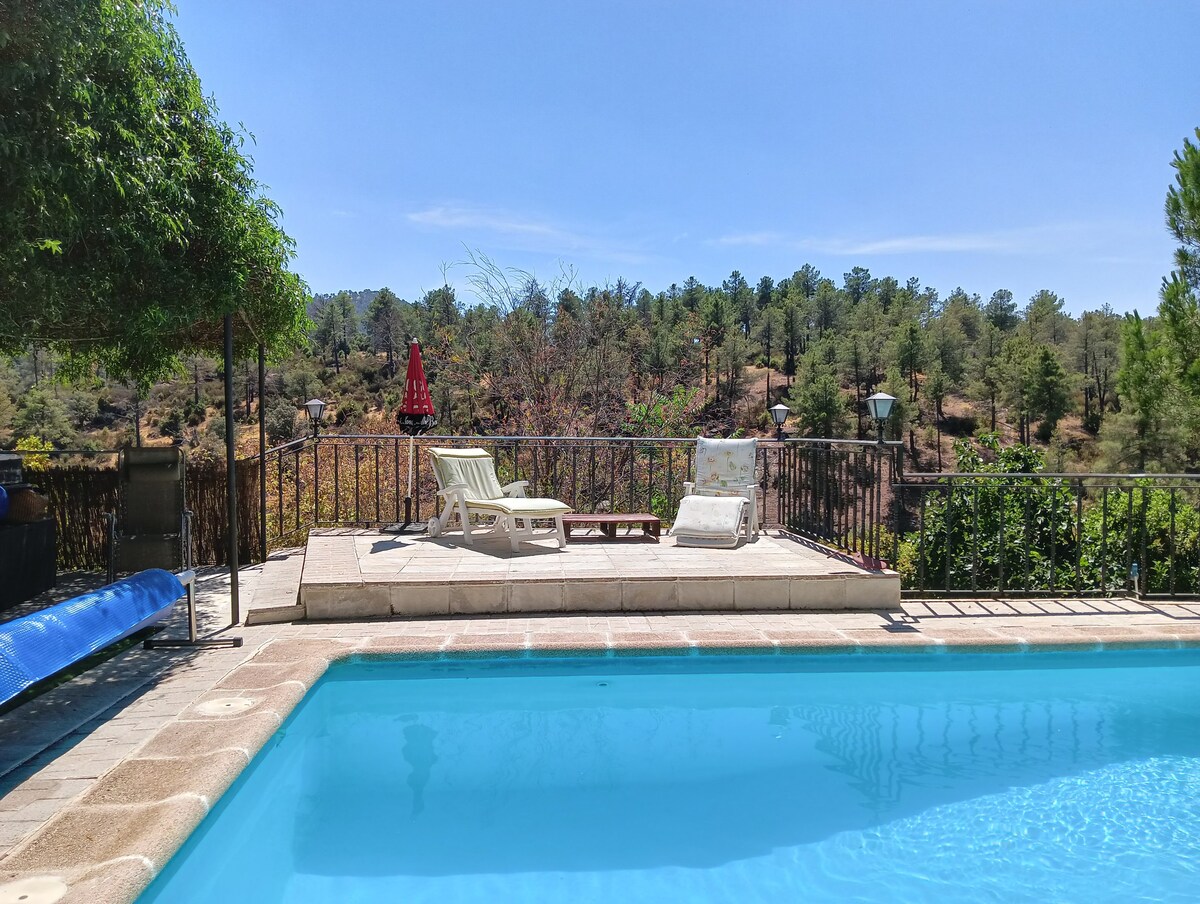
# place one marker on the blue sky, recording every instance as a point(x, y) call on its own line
point(1018, 145)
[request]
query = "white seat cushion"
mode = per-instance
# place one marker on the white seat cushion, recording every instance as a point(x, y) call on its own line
point(521, 507)
point(714, 517)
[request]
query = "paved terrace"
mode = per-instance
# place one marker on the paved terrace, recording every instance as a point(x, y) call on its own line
point(366, 574)
point(103, 777)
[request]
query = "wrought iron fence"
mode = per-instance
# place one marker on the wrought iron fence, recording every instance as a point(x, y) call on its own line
point(839, 491)
point(832, 491)
point(947, 534)
point(1048, 534)
point(370, 480)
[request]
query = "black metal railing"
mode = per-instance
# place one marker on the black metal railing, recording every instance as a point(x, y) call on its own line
point(947, 534)
point(839, 491)
point(833, 492)
point(371, 480)
point(1048, 534)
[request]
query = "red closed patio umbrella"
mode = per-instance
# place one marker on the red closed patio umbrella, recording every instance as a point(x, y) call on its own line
point(415, 416)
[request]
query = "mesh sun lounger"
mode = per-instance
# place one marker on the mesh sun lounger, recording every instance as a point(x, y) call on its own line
point(152, 526)
point(467, 481)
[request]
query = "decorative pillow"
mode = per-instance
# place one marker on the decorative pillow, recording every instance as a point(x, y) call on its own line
point(709, 516)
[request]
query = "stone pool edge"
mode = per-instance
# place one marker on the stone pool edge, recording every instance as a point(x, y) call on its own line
point(112, 842)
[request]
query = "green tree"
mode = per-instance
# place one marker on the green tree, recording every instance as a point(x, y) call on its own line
point(716, 316)
point(764, 294)
point(986, 369)
point(1147, 431)
point(1095, 355)
point(1046, 391)
point(1044, 318)
point(733, 355)
point(125, 204)
point(820, 406)
point(805, 280)
point(337, 328)
point(1001, 311)
point(43, 415)
point(858, 283)
point(767, 331)
point(937, 387)
point(693, 294)
point(741, 300)
point(909, 355)
point(1179, 306)
point(791, 336)
point(826, 307)
point(385, 325)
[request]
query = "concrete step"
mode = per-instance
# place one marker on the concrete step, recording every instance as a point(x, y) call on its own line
point(276, 595)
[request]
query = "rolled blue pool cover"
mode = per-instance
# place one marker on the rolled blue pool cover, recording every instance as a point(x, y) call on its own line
point(36, 646)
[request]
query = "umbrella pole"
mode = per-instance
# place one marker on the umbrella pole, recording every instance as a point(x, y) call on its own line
point(412, 448)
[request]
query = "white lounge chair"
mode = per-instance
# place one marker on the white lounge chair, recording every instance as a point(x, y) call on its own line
point(725, 467)
point(467, 481)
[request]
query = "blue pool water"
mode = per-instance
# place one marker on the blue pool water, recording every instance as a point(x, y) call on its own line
point(939, 778)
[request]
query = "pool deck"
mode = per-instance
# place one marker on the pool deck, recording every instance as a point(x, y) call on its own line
point(368, 574)
point(104, 776)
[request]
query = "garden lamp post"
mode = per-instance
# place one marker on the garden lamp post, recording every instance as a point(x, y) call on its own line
point(315, 409)
point(779, 413)
point(880, 406)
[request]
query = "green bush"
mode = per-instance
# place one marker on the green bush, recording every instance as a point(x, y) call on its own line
point(1034, 532)
point(1172, 528)
point(979, 528)
point(171, 423)
point(281, 422)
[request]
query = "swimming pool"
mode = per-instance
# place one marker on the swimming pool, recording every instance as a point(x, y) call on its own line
point(987, 777)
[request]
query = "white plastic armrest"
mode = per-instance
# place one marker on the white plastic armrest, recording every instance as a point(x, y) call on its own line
point(516, 489)
point(452, 489)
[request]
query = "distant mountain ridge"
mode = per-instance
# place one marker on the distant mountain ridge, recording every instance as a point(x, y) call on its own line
point(362, 300)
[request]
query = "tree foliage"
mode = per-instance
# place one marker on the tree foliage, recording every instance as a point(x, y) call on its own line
point(130, 221)
point(992, 531)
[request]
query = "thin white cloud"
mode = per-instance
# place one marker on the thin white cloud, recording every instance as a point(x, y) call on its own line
point(1028, 240)
point(525, 233)
point(469, 218)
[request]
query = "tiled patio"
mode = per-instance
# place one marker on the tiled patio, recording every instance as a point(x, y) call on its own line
point(104, 776)
point(366, 574)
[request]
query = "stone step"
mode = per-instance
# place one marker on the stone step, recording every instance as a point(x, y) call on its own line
point(276, 596)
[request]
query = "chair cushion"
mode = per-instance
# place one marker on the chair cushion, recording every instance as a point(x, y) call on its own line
point(722, 463)
point(472, 467)
point(717, 517)
point(521, 507)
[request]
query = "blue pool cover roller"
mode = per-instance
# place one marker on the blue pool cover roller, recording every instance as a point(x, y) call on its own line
point(36, 646)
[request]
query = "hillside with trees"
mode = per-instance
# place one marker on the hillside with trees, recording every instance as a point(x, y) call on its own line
point(536, 359)
point(519, 356)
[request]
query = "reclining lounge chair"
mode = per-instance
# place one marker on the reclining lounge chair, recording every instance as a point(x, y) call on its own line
point(152, 526)
point(723, 498)
point(467, 481)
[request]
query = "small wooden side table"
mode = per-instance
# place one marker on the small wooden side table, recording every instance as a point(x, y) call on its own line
point(650, 524)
